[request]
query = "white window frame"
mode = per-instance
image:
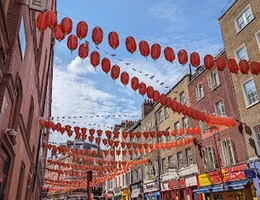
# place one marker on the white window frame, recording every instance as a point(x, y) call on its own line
point(245, 95)
point(182, 98)
point(22, 38)
point(212, 83)
point(170, 162)
point(184, 124)
point(188, 153)
point(160, 116)
point(177, 129)
point(223, 110)
point(163, 166)
point(257, 36)
point(225, 154)
point(180, 159)
point(169, 138)
point(166, 112)
point(199, 93)
point(206, 158)
point(243, 46)
point(242, 13)
point(153, 121)
point(203, 127)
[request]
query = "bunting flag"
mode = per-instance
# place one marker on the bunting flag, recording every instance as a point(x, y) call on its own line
point(62, 118)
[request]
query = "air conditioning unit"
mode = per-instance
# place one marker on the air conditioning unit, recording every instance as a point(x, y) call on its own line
point(38, 5)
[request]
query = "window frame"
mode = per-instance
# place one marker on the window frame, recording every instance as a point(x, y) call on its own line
point(160, 116)
point(163, 166)
point(257, 35)
point(177, 136)
point(180, 161)
point(206, 158)
point(166, 112)
point(197, 91)
point(237, 50)
point(188, 157)
point(245, 95)
point(211, 78)
point(182, 99)
point(169, 138)
point(22, 38)
point(224, 153)
point(216, 108)
point(242, 14)
point(170, 162)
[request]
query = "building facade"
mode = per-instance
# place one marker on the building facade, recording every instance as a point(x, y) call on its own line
point(26, 66)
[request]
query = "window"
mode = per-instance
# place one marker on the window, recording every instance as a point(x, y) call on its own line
point(146, 171)
point(250, 93)
point(199, 92)
point(170, 164)
point(169, 138)
point(213, 80)
point(160, 116)
point(180, 160)
point(203, 127)
point(241, 53)
point(220, 108)
point(148, 125)
point(156, 168)
point(256, 129)
point(153, 122)
point(176, 128)
point(166, 112)
point(163, 166)
point(258, 38)
point(22, 38)
point(182, 98)
point(209, 158)
point(188, 156)
point(185, 122)
point(227, 153)
point(244, 18)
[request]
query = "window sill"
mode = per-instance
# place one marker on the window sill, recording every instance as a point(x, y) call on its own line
point(215, 87)
point(166, 117)
point(200, 99)
point(251, 105)
point(240, 30)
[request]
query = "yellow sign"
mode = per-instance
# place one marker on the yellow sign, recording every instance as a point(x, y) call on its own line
point(125, 192)
point(210, 178)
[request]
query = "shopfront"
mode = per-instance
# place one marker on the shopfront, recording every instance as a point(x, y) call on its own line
point(152, 191)
point(236, 185)
point(109, 195)
point(117, 194)
point(254, 173)
point(136, 191)
point(125, 194)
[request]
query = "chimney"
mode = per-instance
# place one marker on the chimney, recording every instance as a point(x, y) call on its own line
point(147, 107)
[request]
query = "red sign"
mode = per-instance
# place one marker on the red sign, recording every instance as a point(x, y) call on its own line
point(176, 183)
point(235, 173)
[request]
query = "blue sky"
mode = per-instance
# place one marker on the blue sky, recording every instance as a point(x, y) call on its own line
point(80, 90)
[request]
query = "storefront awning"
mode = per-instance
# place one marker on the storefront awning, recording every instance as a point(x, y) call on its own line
point(235, 185)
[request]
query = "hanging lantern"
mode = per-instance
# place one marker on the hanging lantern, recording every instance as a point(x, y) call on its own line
point(83, 51)
point(232, 65)
point(128, 145)
point(182, 57)
point(108, 133)
point(208, 61)
point(110, 142)
point(112, 153)
point(156, 95)
point(66, 25)
point(138, 134)
point(116, 143)
point(83, 130)
point(221, 63)
point(95, 59)
point(116, 134)
point(51, 19)
point(135, 83)
point(106, 65)
point(82, 30)
point(124, 152)
point(254, 67)
point(91, 138)
point(118, 152)
point(113, 39)
point(195, 59)
point(115, 72)
point(97, 35)
point(244, 66)
point(125, 134)
point(168, 102)
point(146, 134)
point(58, 34)
point(169, 54)
point(155, 51)
point(144, 48)
point(84, 137)
point(136, 151)
point(150, 92)
point(124, 78)
point(41, 23)
point(142, 88)
point(152, 134)
point(92, 131)
point(123, 144)
point(72, 42)
point(98, 140)
point(130, 152)
point(132, 134)
point(163, 99)
point(130, 44)
point(104, 141)
point(67, 127)
point(106, 152)
point(99, 133)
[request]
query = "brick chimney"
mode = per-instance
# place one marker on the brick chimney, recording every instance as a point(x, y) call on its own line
point(147, 107)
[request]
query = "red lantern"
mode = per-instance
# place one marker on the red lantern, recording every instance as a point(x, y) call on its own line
point(83, 130)
point(221, 63)
point(41, 23)
point(98, 140)
point(112, 153)
point(104, 141)
point(169, 54)
point(182, 56)
point(82, 29)
point(195, 59)
point(125, 134)
point(91, 131)
point(72, 42)
point(232, 65)
point(132, 134)
point(118, 152)
point(146, 134)
point(155, 51)
point(128, 145)
point(168, 102)
point(106, 65)
point(244, 66)
point(51, 19)
point(130, 44)
point(108, 133)
point(116, 134)
point(208, 61)
point(135, 83)
point(142, 88)
point(95, 59)
point(66, 25)
point(163, 99)
point(124, 78)
point(144, 48)
point(156, 95)
point(130, 152)
point(124, 152)
point(116, 143)
point(138, 134)
point(115, 72)
point(97, 35)
point(91, 138)
point(123, 144)
point(111, 142)
point(83, 51)
point(254, 67)
point(113, 39)
point(150, 92)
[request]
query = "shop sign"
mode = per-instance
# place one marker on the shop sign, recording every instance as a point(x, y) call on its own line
point(117, 191)
point(176, 184)
point(151, 187)
point(250, 173)
point(135, 193)
point(125, 192)
point(229, 174)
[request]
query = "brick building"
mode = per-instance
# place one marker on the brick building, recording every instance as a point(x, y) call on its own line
point(26, 66)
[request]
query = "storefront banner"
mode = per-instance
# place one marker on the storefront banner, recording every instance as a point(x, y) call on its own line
point(191, 181)
point(135, 193)
point(151, 187)
point(125, 192)
point(229, 174)
point(176, 184)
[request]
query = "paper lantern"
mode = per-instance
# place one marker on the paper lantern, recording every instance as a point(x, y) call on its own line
point(95, 59)
point(91, 138)
point(128, 145)
point(132, 134)
point(125, 134)
point(155, 51)
point(72, 42)
point(106, 65)
point(208, 61)
point(146, 134)
point(168, 102)
point(83, 51)
point(135, 83)
point(116, 143)
point(130, 152)
point(221, 63)
point(130, 44)
point(123, 144)
point(254, 67)
point(41, 22)
point(66, 25)
point(124, 152)
point(113, 39)
point(83, 130)
point(156, 95)
point(82, 30)
point(142, 88)
point(118, 152)
point(182, 56)
point(104, 141)
point(91, 131)
point(138, 134)
point(99, 133)
point(84, 137)
point(116, 134)
point(163, 99)
point(244, 66)
point(150, 92)
point(115, 72)
point(98, 140)
point(124, 78)
point(144, 48)
point(108, 133)
point(51, 19)
point(112, 153)
point(169, 54)
point(97, 35)
point(232, 65)
point(195, 59)
point(152, 134)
